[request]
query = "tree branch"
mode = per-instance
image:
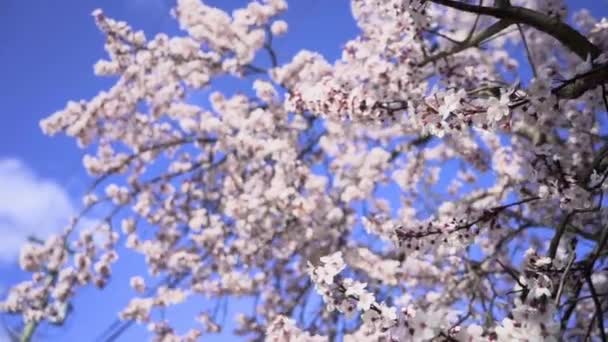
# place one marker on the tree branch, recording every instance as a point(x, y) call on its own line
point(578, 85)
point(598, 306)
point(28, 331)
point(557, 29)
point(528, 51)
point(475, 41)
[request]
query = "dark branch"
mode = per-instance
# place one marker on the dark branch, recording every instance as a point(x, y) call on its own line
point(493, 29)
point(557, 29)
point(598, 306)
point(580, 84)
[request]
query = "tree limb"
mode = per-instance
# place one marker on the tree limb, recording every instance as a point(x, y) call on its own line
point(557, 29)
point(578, 85)
point(475, 41)
point(598, 306)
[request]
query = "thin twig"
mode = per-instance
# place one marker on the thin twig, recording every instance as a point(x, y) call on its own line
point(598, 306)
point(474, 28)
point(563, 278)
point(476, 41)
point(561, 229)
point(528, 51)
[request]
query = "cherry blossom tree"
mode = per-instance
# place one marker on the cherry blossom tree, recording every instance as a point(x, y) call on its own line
point(495, 227)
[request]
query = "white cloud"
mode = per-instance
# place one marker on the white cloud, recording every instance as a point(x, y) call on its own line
point(29, 206)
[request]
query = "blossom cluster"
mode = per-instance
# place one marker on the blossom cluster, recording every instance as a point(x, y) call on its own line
point(402, 183)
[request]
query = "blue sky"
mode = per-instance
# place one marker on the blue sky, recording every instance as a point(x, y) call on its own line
point(47, 50)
